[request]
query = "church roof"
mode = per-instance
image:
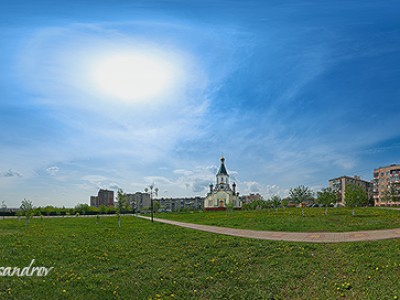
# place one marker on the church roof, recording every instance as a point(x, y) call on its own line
point(222, 169)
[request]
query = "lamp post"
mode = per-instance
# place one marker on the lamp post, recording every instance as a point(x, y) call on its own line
point(155, 192)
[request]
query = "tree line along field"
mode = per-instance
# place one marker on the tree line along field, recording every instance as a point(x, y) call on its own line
point(94, 259)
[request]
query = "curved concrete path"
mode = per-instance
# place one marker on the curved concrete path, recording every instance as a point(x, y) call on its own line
point(309, 237)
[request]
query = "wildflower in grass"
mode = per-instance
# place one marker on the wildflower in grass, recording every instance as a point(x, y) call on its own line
point(346, 286)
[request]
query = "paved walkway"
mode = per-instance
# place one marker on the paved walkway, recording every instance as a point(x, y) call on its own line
point(309, 237)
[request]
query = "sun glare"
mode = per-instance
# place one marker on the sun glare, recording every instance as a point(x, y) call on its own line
point(133, 76)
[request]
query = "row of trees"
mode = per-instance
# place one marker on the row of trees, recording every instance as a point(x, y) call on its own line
point(27, 208)
point(355, 196)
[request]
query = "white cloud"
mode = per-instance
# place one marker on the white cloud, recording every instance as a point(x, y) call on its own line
point(53, 170)
point(98, 182)
point(157, 180)
point(183, 172)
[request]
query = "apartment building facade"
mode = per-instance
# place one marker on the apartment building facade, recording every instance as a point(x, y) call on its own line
point(180, 204)
point(339, 185)
point(246, 199)
point(139, 201)
point(104, 197)
point(386, 186)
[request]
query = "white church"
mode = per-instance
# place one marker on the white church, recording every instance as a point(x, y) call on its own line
point(222, 195)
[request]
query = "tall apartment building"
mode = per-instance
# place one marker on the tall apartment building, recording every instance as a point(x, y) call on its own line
point(94, 201)
point(104, 197)
point(339, 185)
point(386, 185)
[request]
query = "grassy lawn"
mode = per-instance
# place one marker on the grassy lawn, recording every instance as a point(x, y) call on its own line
point(158, 261)
point(290, 219)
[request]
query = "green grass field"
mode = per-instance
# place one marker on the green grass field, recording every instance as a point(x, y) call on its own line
point(159, 261)
point(290, 219)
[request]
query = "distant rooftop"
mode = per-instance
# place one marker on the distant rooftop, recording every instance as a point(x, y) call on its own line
point(392, 165)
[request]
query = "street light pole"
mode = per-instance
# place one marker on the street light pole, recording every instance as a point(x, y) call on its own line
point(151, 197)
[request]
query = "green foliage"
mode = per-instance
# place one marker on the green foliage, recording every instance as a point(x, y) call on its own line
point(156, 206)
point(26, 209)
point(300, 194)
point(258, 204)
point(355, 196)
point(326, 197)
point(103, 209)
point(276, 201)
point(82, 208)
point(26, 206)
point(121, 200)
point(285, 202)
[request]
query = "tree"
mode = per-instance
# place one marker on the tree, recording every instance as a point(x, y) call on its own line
point(285, 202)
point(257, 204)
point(103, 209)
point(355, 196)
point(81, 208)
point(326, 196)
point(121, 204)
point(3, 206)
point(26, 209)
point(229, 207)
point(276, 201)
point(299, 195)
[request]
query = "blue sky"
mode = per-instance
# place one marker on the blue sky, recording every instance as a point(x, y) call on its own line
point(290, 92)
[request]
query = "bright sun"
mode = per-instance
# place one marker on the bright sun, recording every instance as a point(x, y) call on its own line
point(133, 76)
